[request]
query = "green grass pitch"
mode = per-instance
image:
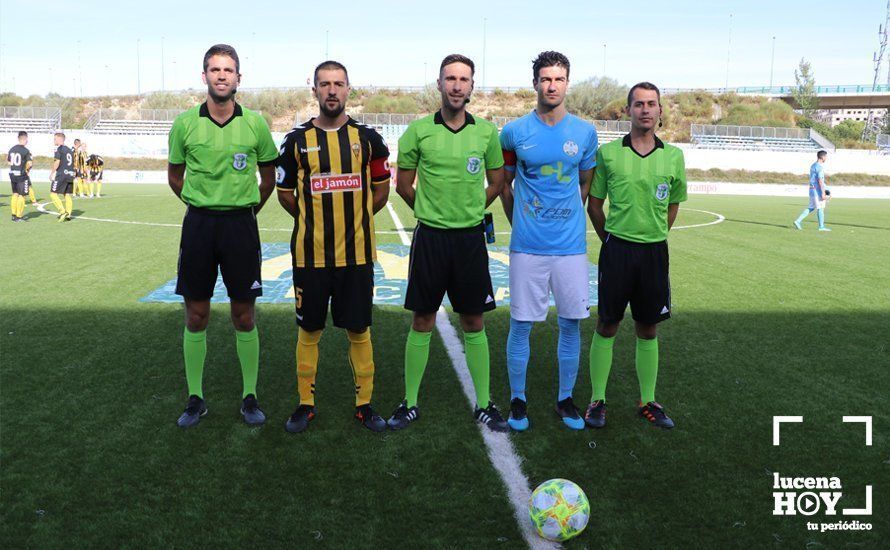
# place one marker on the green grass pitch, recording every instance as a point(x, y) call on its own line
point(767, 321)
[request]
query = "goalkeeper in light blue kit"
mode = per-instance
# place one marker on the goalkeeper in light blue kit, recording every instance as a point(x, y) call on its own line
point(549, 158)
point(818, 193)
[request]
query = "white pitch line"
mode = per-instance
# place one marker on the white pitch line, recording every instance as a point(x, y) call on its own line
point(501, 452)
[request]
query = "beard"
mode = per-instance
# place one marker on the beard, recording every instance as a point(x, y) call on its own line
point(218, 98)
point(331, 113)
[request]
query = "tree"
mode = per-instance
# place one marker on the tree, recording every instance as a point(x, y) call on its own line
point(805, 92)
point(590, 97)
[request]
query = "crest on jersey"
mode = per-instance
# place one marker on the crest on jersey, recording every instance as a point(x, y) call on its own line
point(239, 161)
point(661, 192)
point(279, 175)
point(474, 164)
point(356, 150)
point(570, 148)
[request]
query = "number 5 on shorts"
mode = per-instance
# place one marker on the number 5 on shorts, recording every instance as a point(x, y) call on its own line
point(298, 292)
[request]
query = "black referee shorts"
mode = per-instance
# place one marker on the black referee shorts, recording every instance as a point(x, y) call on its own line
point(453, 261)
point(635, 273)
point(227, 240)
point(348, 289)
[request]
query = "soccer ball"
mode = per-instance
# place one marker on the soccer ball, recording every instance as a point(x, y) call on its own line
point(558, 509)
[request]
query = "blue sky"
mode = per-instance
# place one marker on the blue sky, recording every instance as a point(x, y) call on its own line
point(674, 44)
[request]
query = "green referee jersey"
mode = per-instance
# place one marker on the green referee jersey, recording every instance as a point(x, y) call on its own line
point(451, 167)
point(639, 188)
point(221, 159)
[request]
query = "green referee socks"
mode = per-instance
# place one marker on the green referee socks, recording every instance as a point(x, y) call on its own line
point(647, 368)
point(248, 346)
point(600, 364)
point(417, 353)
point(194, 350)
point(476, 349)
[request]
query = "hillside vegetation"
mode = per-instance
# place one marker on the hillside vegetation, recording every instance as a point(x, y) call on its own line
point(594, 98)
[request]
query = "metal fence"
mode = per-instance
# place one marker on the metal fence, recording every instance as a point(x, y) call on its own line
point(53, 114)
point(883, 141)
point(393, 119)
point(721, 130)
point(158, 115)
point(787, 90)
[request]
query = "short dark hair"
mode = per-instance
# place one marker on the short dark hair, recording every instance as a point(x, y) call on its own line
point(458, 58)
point(60, 134)
point(549, 59)
point(222, 49)
point(76, 140)
point(22, 134)
point(821, 154)
point(329, 64)
point(643, 86)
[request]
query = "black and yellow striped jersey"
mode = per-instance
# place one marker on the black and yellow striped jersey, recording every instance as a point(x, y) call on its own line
point(80, 160)
point(95, 163)
point(331, 173)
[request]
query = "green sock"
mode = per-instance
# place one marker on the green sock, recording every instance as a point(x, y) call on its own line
point(600, 364)
point(476, 349)
point(647, 368)
point(248, 346)
point(417, 353)
point(194, 350)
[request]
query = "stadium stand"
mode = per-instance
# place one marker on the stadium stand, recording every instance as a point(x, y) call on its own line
point(142, 122)
point(30, 119)
point(883, 143)
point(758, 138)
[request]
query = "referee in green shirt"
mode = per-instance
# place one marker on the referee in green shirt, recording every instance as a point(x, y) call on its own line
point(645, 181)
point(215, 150)
point(451, 153)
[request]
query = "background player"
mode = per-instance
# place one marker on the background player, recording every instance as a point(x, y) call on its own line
point(551, 155)
point(62, 178)
point(451, 153)
point(333, 176)
point(215, 150)
point(645, 181)
point(19, 160)
point(80, 186)
point(96, 166)
point(818, 193)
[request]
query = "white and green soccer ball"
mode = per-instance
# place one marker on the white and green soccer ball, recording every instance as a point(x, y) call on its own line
point(559, 509)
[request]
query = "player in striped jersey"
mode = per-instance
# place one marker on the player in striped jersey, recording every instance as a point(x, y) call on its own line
point(96, 165)
point(80, 186)
point(333, 175)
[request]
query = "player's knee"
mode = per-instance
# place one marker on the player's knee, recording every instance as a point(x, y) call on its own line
point(423, 322)
point(472, 323)
point(645, 332)
point(358, 336)
point(197, 320)
point(309, 337)
point(243, 320)
point(607, 330)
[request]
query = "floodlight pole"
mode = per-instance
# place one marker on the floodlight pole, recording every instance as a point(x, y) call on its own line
point(162, 65)
point(772, 64)
point(484, 25)
point(138, 71)
point(604, 60)
point(79, 71)
point(728, 53)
